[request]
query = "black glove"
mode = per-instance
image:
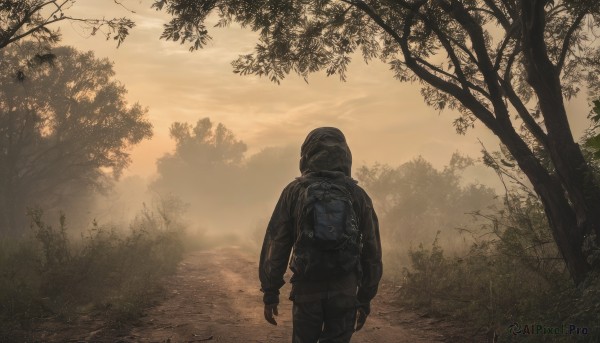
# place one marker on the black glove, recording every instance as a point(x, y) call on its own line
point(361, 315)
point(361, 318)
point(271, 310)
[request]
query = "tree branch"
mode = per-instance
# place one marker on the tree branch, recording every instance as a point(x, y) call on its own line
point(464, 82)
point(460, 76)
point(511, 8)
point(28, 32)
point(567, 41)
point(497, 13)
point(475, 31)
point(511, 59)
point(529, 121)
point(510, 33)
point(23, 21)
point(464, 49)
point(464, 96)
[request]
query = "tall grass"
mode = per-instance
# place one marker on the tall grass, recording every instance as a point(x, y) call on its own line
point(512, 275)
point(110, 272)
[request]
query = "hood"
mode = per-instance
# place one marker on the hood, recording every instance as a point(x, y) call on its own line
point(325, 150)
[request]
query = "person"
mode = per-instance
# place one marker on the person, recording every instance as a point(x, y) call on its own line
point(328, 224)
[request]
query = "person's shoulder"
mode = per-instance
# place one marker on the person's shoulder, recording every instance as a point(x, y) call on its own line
point(292, 187)
point(358, 189)
point(362, 196)
point(295, 183)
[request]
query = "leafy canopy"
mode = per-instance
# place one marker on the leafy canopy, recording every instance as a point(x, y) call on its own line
point(593, 142)
point(450, 45)
point(33, 20)
point(63, 129)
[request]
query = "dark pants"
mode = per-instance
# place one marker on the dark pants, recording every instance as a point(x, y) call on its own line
point(325, 321)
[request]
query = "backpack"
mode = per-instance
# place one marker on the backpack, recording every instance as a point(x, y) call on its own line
point(329, 242)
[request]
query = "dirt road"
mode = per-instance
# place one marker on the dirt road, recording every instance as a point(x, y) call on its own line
point(214, 297)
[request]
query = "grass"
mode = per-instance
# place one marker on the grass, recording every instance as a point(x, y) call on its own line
point(497, 284)
point(109, 272)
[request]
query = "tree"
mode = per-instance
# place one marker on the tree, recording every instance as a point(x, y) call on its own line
point(63, 130)
point(33, 19)
point(210, 171)
point(415, 201)
point(506, 64)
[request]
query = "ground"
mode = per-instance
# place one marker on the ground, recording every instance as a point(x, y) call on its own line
point(214, 297)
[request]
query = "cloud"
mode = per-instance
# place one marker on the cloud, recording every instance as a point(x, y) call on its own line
point(385, 120)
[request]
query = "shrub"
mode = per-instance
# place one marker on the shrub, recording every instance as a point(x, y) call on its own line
point(415, 200)
point(512, 275)
point(109, 272)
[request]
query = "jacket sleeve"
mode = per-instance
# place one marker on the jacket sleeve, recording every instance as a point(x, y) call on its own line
point(370, 260)
point(276, 248)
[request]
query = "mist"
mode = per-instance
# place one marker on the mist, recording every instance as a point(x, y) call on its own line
point(137, 183)
point(228, 194)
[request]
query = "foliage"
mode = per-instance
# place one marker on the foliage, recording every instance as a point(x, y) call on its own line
point(593, 140)
point(512, 273)
point(204, 144)
point(33, 20)
point(508, 65)
point(509, 275)
point(309, 36)
point(106, 272)
point(62, 130)
point(210, 171)
point(415, 200)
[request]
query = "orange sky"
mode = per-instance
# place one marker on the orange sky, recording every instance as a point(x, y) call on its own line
point(384, 120)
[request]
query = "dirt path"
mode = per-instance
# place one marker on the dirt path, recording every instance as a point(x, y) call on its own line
point(214, 297)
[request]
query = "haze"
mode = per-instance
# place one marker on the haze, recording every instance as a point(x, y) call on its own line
point(138, 181)
point(383, 119)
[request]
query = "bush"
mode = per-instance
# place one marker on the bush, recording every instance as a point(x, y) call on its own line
point(415, 200)
point(511, 280)
point(108, 272)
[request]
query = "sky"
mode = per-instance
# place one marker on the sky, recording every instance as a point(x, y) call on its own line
point(383, 119)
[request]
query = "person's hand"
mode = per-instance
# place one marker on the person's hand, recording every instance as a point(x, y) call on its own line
point(271, 310)
point(361, 318)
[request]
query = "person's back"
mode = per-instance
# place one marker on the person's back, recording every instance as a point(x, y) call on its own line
point(329, 223)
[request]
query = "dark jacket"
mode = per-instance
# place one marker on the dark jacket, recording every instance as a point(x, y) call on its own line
point(324, 153)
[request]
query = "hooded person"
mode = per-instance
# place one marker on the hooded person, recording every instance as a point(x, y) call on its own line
point(328, 225)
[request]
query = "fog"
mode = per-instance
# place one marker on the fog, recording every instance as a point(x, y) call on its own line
point(224, 182)
point(227, 194)
point(137, 183)
point(385, 122)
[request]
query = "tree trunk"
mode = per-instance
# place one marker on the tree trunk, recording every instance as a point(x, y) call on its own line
point(575, 175)
point(561, 216)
